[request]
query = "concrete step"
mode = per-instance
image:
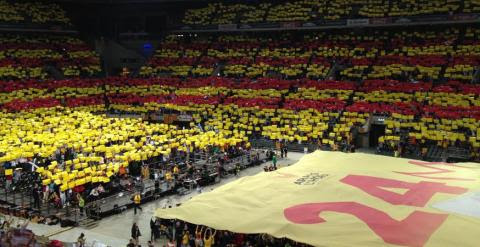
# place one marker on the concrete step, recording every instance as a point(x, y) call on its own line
point(88, 223)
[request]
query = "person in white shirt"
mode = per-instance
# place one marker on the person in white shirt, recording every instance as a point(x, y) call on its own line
point(100, 189)
point(94, 194)
point(63, 198)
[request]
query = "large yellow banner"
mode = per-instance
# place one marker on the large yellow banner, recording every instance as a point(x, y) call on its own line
point(339, 199)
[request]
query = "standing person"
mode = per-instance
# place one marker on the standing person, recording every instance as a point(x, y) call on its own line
point(198, 237)
point(81, 240)
point(46, 193)
point(56, 199)
point(136, 202)
point(135, 233)
point(186, 239)
point(209, 241)
point(285, 150)
point(8, 178)
point(81, 203)
point(153, 230)
point(63, 198)
point(192, 240)
point(237, 170)
point(281, 151)
point(170, 243)
point(178, 233)
point(176, 171)
point(36, 197)
point(274, 161)
point(239, 239)
point(157, 185)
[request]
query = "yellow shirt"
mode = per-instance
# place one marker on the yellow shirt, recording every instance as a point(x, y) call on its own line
point(137, 199)
point(185, 239)
point(208, 242)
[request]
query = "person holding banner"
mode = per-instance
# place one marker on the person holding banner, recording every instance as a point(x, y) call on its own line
point(209, 241)
point(198, 237)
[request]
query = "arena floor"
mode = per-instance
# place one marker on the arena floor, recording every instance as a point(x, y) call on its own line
point(115, 230)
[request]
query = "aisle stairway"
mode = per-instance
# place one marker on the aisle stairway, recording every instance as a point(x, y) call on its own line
point(435, 153)
point(115, 55)
point(88, 223)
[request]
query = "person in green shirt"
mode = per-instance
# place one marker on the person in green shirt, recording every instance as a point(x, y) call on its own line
point(81, 203)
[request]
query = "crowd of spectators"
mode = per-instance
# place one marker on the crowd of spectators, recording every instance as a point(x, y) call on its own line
point(322, 112)
point(27, 56)
point(304, 11)
point(400, 54)
point(423, 106)
point(32, 12)
point(180, 233)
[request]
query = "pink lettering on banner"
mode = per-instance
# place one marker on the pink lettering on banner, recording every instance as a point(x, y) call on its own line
point(436, 170)
point(415, 230)
point(417, 194)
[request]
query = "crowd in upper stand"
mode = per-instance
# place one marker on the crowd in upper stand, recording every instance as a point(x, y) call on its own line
point(33, 12)
point(304, 11)
point(25, 56)
point(447, 54)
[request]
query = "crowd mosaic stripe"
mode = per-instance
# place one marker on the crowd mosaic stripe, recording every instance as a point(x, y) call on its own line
point(444, 114)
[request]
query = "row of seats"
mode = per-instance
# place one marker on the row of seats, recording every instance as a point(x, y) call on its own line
point(447, 54)
point(303, 10)
point(32, 12)
point(26, 56)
